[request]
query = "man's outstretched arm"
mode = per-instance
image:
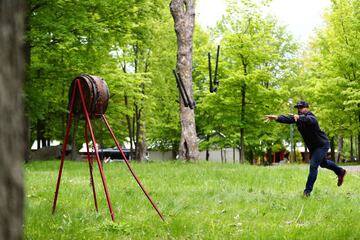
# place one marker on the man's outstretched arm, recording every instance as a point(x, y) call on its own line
point(282, 118)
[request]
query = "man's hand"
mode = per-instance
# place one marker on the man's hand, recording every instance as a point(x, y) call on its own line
point(269, 118)
point(296, 117)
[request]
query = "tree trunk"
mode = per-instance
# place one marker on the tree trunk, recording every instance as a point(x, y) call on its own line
point(27, 50)
point(233, 155)
point(242, 113)
point(358, 148)
point(183, 12)
point(128, 120)
point(137, 131)
point(254, 158)
point(222, 156)
point(340, 148)
point(40, 134)
point(140, 147)
point(27, 136)
point(242, 129)
point(358, 143)
point(174, 150)
point(207, 155)
point(294, 152)
point(73, 138)
point(140, 132)
point(351, 148)
point(332, 146)
point(12, 153)
point(133, 137)
point(268, 156)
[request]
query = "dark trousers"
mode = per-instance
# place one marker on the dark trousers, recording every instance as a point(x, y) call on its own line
point(318, 158)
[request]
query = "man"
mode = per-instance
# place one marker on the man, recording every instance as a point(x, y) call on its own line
point(316, 141)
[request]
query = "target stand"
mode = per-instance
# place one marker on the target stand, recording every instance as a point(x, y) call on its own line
point(89, 97)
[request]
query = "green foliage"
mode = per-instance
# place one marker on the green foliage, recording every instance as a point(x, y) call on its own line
point(111, 39)
point(163, 126)
point(332, 69)
point(257, 58)
point(199, 201)
point(66, 39)
point(132, 45)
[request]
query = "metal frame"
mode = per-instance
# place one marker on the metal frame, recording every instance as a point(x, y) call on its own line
point(88, 127)
point(214, 82)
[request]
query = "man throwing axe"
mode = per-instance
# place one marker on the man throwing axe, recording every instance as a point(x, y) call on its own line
point(316, 141)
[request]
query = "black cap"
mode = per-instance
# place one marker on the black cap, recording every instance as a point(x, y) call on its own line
point(301, 104)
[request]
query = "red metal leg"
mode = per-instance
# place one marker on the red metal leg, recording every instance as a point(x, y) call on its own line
point(130, 168)
point(90, 166)
point(87, 119)
point(66, 138)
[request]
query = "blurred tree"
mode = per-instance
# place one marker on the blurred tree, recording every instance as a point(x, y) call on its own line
point(106, 38)
point(12, 72)
point(257, 58)
point(332, 71)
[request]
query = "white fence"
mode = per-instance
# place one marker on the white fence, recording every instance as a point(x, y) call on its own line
point(225, 155)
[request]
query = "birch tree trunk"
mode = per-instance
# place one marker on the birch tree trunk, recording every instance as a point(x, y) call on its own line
point(12, 132)
point(183, 12)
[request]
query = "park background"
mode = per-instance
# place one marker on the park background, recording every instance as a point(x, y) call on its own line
point(264, 68)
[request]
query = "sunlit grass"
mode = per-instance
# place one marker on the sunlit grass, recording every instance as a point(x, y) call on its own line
point(199, 201)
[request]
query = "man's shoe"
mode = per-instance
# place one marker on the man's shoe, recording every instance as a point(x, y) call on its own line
point(306, 194)
point(341, 177)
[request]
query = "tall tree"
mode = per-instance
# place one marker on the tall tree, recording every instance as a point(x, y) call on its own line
point(258, 58)
point(183, 12)
point(332, 67)
point(163, 127)
point(134, 53)
point(67, 39)
point(12, 16)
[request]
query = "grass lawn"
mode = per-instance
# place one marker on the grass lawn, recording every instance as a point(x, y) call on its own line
point(199, 201)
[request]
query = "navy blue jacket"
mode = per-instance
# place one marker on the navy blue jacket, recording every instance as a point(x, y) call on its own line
point(309, 129)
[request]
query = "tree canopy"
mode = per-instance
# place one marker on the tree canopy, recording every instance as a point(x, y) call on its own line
point(132, 45)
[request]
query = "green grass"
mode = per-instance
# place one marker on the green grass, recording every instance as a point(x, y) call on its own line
point(200, 201)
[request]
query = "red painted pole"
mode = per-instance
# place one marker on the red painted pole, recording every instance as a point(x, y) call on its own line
point(130, 168)
point(66, 138)
point(90, 166)
point(87, 119)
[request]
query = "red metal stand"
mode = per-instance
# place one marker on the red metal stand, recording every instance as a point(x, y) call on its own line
point(88, 127)
point(130, 168)
point(90, 160)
